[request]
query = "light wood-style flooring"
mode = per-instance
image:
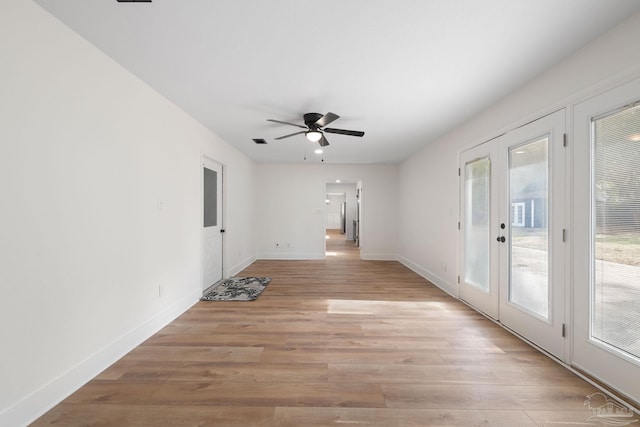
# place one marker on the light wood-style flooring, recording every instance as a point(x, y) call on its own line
point(336, 342)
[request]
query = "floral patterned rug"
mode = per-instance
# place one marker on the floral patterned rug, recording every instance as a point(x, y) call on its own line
point(237, 289)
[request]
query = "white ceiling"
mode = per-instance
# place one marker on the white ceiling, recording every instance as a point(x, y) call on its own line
point(403, 71)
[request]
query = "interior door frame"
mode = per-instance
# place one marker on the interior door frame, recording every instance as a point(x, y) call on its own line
point(222, 198)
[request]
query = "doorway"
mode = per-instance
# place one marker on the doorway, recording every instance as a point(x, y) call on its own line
point(511, 231)
point(341, 213)
point(212, 222)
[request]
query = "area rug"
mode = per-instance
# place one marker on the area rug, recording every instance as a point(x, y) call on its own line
point(237, 289)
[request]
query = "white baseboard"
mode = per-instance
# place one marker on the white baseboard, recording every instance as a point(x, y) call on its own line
point(241, 266)
point(433, 278)
point(40, 401)
point(290, 255)
point(378, 257)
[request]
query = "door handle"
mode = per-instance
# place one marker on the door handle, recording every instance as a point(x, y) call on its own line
point(501, 239)
point(222, 230)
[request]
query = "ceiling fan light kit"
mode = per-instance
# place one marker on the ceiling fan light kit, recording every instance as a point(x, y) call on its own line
point(313, 135)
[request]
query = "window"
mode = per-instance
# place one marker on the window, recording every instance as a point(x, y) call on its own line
point(615, 292)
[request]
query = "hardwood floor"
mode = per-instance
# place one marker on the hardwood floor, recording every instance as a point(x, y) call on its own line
point(334, 342)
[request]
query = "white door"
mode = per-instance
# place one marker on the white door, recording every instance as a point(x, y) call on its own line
point(606, 242)
point(212, 222)
point(511, 230)
point(478, 228)
point(532, 253)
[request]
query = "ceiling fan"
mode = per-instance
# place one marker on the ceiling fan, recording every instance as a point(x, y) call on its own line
point(315, 126)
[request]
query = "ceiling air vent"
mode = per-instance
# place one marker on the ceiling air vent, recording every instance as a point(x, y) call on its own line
point(259, 141)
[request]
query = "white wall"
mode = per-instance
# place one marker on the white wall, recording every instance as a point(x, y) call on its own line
point(428, 181)
point(290, 201)
point(100, 193)
point(333, 211)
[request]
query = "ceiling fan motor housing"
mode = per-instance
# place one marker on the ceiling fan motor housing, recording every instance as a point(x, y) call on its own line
point(310, 120)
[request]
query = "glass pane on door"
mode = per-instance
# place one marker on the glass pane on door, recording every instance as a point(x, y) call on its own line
point(477, 238)
point(210, 198)
point(615, 299)
point(529, 243)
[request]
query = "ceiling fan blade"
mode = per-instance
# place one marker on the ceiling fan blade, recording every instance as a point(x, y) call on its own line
point(291, 134)
point(286, 123)
point(323, 141)
point(326, 119)
point(344, 132)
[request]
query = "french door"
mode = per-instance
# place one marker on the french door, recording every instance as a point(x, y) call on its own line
point(512, 251)
point(479, 228)
point(606, 226)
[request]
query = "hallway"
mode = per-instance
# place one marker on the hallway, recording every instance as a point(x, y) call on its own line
point(339, 248)
point(331, 342)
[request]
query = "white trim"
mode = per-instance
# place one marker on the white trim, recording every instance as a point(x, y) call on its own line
point(433, 278)
point(42, 400)
point(378, 257)
point(241, 266)
point(290, 255)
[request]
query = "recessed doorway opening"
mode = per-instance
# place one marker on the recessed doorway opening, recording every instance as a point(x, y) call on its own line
point(342, 218)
